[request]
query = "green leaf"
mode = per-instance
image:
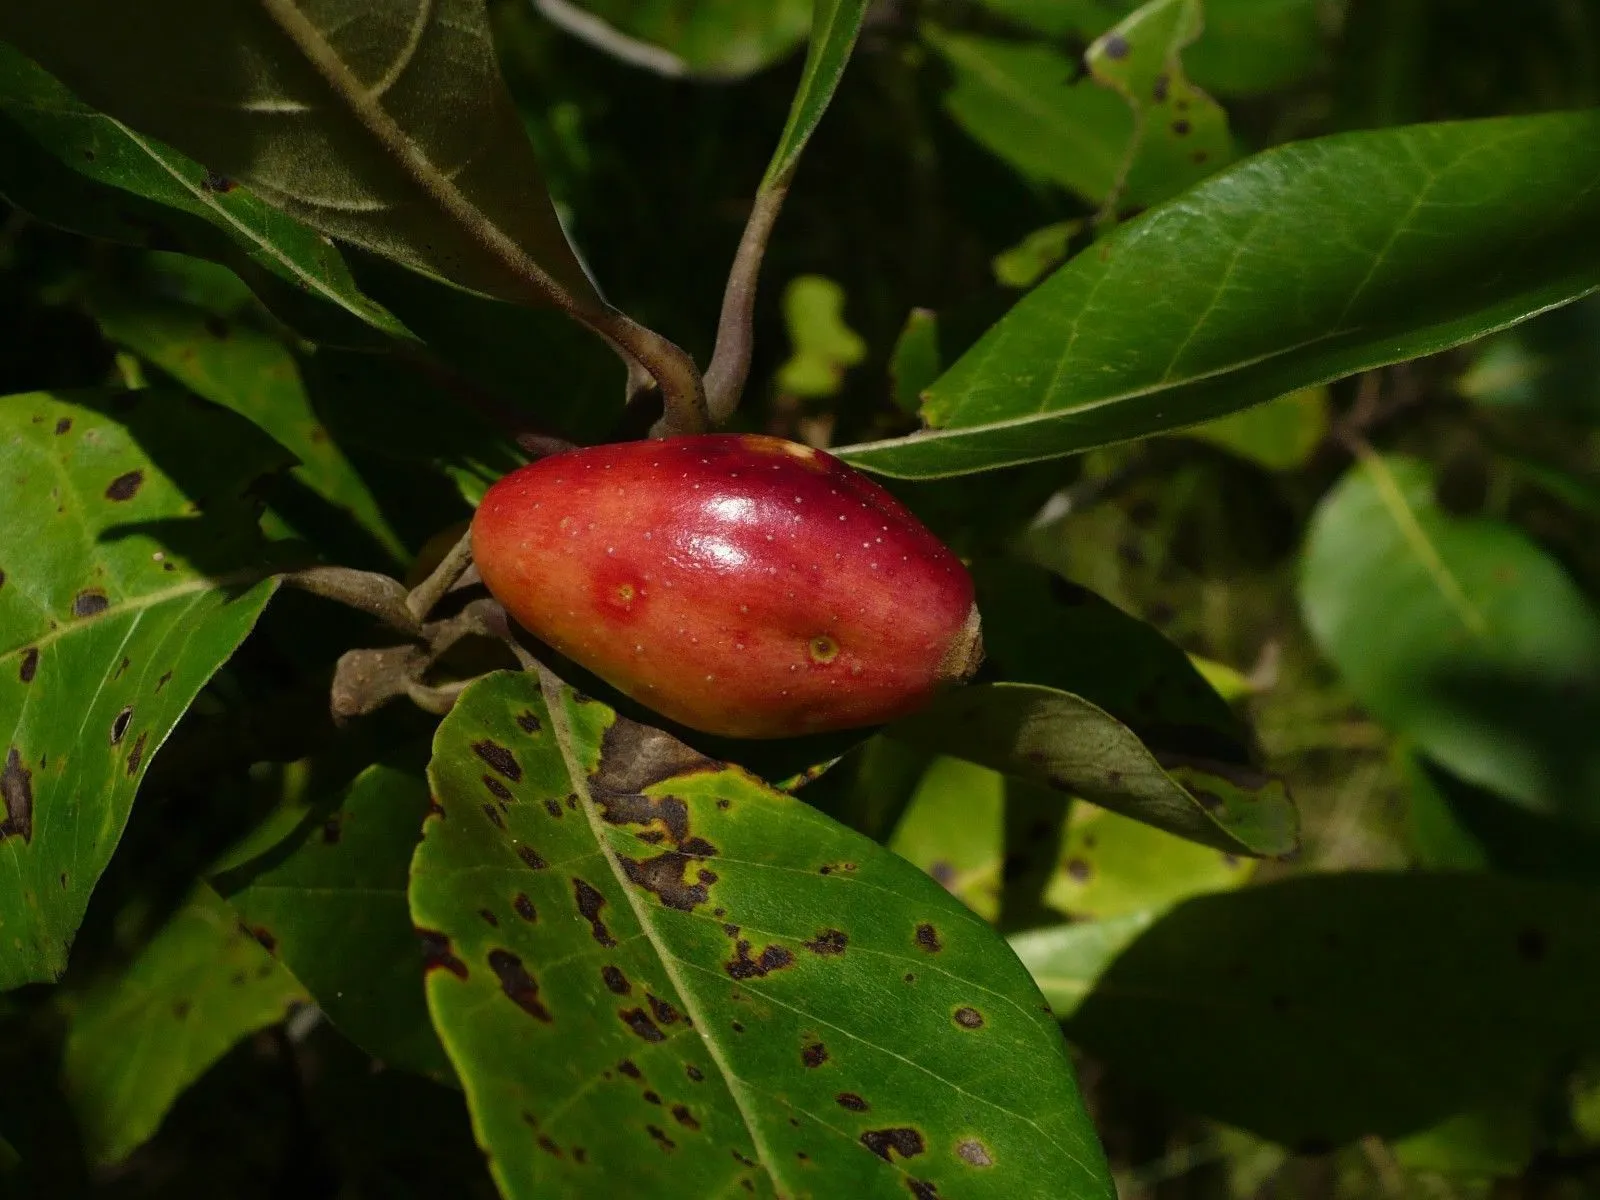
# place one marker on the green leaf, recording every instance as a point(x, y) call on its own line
point(1296, 267)
point(1254, 46)
point(835, 25)
point(1082, 18)
point(1180, 134)
point(1024, 103)
point(1304, 1010)
point(1460, 634)
point(657, 975)
point(1550, 364)
point(139, 1038)
point(824, 346)
point(77, 168)
point(133, 568)
point(954, 829)
point(242, 367)
point(1279, 435)
point(714, 39)
point(1061, 741)
point(1035, 256)
point(387, 127)
point(915, 361)
point(331, 904)
point(1112, 865)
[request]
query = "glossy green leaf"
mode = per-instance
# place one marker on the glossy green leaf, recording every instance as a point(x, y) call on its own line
point(1180, 134)
point(388, 127)
point(954, 829)
point(1112, 865)
point(249, 370)
point(824, 346)
point(1323, 1008)
point(1296, 267)
point(1061, 741)
point(140, 1038)
point(1279, 435)
point(72, 166)
point(656, 975)
point(835, 25)
point(1461, 634)
point(716, 39)
point(132, 569)
point(331, 904)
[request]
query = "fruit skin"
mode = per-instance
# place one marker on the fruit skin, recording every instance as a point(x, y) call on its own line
point(739, 584)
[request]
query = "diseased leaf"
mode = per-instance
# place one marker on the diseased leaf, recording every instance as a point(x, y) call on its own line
point(242, 367)
point(389, 127)
point(1302, 1010)
point(139, 1038)
point(1180, 134)
point(655, 974)
point(1460, 634)
point(330, 903)
point(132, 569)
point(1296, 267)
point(71, 166)
point(1061, 741)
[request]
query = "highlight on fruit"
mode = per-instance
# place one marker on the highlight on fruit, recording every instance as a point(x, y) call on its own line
point(738, 584)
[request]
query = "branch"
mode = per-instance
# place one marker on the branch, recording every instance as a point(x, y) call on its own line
point(730, 361)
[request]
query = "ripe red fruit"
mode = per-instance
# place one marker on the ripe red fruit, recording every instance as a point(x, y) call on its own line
point(738, 584)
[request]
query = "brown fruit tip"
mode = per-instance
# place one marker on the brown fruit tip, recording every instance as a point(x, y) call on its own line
point(965, 653)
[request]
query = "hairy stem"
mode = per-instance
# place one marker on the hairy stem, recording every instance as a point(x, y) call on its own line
point(383, 597)
point(431, 590)
point(730, 361)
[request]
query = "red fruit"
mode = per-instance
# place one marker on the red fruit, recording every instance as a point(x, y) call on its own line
point(740, 585)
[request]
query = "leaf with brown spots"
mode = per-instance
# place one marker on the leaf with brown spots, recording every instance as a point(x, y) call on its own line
point(106, 597)
point(139, 1038)
point(686, 942)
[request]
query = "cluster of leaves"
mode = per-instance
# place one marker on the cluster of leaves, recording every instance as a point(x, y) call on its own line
point(287, 289)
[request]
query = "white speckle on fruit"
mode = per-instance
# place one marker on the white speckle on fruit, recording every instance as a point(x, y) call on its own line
point(744, 608)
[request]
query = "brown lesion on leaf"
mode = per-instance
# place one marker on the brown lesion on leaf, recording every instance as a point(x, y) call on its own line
point(63, 425)
point(616, 982)
point(814, 1054)
point(438, 953)
point(967, 1017)
point(553, 807)
point(639, 1021)
point(923, 1189)
point(668, 815)
point(682, 1115)
point(662, 1010)
point(531, 858)
point(745, 966)
point(519, 986)
point(651, 1097)
point(974, 1153)
point(119, 724)
point(902, 1140)
point(665, 875)
point(89, 602)
point(835, 868)
point(493, 813)
point(30, 664)
point(496, 789)
point(125, 486)
point(828, 943)
point(634, 758)
point(499, 758)
point(928, 938)
point(524, 908)
point(661, 1138)
point(16, 790)
point(489, 918)
point(528, 721)
point(590, 902)
point(851, 1101)
point(136, 754)
point(548, 1144)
